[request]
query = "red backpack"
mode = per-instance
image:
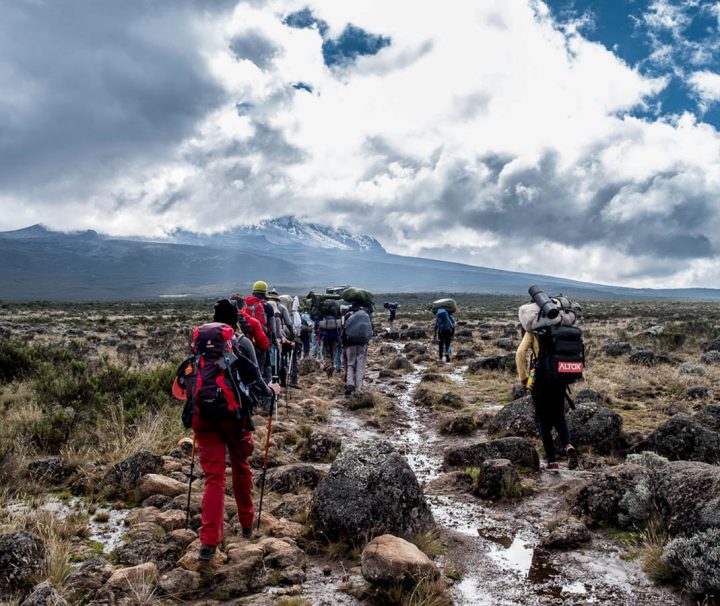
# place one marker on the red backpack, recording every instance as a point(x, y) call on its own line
point(211, 383)
point(256, 308)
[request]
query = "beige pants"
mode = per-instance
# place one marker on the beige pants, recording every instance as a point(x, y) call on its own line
point(356, 361)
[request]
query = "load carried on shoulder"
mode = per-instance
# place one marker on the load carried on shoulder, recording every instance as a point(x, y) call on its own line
point(554, 320)
point(320, 305)
point(362, 297)
point(545, 311)
point(447, 304)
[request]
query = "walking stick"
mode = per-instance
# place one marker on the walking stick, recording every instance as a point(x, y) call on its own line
point(192, 467)
point(265, 461)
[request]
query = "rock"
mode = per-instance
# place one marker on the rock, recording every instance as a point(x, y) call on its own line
point(616, 348)
point(387, 350)
point(417, 348)
point(90, 576)
point(674, 408)
point(515, 419)
point(620, 495)
point(648, 357)
point(433, 377)
point(285, 529)
point(569, 532)
point(698, 558)
point(308, 366)
point(709, 417)
point(497, 479)
point(370, 488)
point(517, 450)
point(190, 561)
point(712, 346)
point(281, 553)
point(465, 354)
point(142, 515)
point(400, 363)
point(689, 368)
point(180, 538)
point(172, 519)
point(414, 333)
point(145, 531)
point(711, 357)
point(22, 555)
point(147, 547)
point(291, 505)
point(687, 496)
point(497, 362)
point(390, 559)
point(588, 395)
point(179, 582)
point(292, 575)
point(385, 373)
point(321, 446)
point(596, 426)
point(240, 578)
point(153, 483)
point(458, 424)
point(127, 474)
point(127, 580)
point(682, 438)
point(44, 594)
point(451, 400)
point(290, 478)
point(52, 470)
point(697, 392)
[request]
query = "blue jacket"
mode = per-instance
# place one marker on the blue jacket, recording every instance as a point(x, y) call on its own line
point(443, 320)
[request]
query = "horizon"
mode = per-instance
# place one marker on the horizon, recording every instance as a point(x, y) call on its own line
point(579, 141)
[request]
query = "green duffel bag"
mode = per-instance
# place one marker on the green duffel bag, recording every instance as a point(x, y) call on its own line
point(448, 304)
point(358, 295)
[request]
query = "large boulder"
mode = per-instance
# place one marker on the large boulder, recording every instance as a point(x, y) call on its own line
point(515, 419)
point(687, 496)
point(389, 559)
point(135, 579)
point(291, 478)
point(52, 470)
point(595, 425)
point(683, 438)
point(153, 483)
point(517, 450)
point(90, 576)
point(370, 489)
point(321, 446)
point(127, 474)
point(22, 556)
point(620, 495)
point(569, 532)
point(709, 417)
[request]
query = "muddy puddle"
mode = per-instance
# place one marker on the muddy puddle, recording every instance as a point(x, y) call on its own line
point(496, 547)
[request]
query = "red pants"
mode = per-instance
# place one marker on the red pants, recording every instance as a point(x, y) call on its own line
point(212, 438)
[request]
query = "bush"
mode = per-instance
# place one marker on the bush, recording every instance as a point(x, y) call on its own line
point(16, 361)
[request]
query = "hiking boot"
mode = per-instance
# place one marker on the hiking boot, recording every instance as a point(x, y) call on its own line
point(295, 385)
point(206, 552)
point(349, 390)
point(572, 456)
point(247, 533)
point(447, 358)
point(552, 466)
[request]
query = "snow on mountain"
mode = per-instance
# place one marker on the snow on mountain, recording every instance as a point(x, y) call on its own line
point(289, 229)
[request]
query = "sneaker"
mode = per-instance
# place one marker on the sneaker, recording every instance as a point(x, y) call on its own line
point(206, 552)
point(552, 466)
point(572, 456)
point(247, 532)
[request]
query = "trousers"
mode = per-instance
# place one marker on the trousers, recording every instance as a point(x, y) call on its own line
point(356, 356)
point(213, 438)
point(548, 398)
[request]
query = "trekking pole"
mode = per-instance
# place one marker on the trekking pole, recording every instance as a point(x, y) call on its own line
point(192, 467)
point(265, 460)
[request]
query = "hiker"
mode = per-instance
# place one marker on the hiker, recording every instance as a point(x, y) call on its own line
point(329, 328)
point(231, 431)
point(306, 333)
point(357, 331)
point(255, 331)
point(550, 392)
point(392, 312)
point(285, 331)
point(258, 308)
point(444, 332)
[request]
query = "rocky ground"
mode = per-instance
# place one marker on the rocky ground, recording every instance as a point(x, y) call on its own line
point(423, 489)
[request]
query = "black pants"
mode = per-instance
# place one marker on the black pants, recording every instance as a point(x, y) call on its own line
point(444, 339)
point(549, 402)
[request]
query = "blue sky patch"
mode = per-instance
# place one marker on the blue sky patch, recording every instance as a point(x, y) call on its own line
point(303, 86)
point(686, 31)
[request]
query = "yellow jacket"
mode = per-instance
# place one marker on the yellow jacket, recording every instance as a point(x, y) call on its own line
point(529, 342)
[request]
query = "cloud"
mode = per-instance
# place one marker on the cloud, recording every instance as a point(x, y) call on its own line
point(707, 86)
point(485, 133)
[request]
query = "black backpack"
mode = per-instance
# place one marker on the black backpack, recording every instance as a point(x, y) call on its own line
point(562, 353)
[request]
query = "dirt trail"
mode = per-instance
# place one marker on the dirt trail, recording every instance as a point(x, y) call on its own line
point(496, 546)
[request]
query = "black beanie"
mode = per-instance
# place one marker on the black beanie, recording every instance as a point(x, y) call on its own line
point(226, 312)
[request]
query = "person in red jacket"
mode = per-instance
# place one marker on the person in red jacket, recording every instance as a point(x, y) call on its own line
point(216, 435)
point(255, 333)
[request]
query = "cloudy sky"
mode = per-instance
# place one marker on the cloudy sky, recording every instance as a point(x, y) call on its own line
point(574, 137)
